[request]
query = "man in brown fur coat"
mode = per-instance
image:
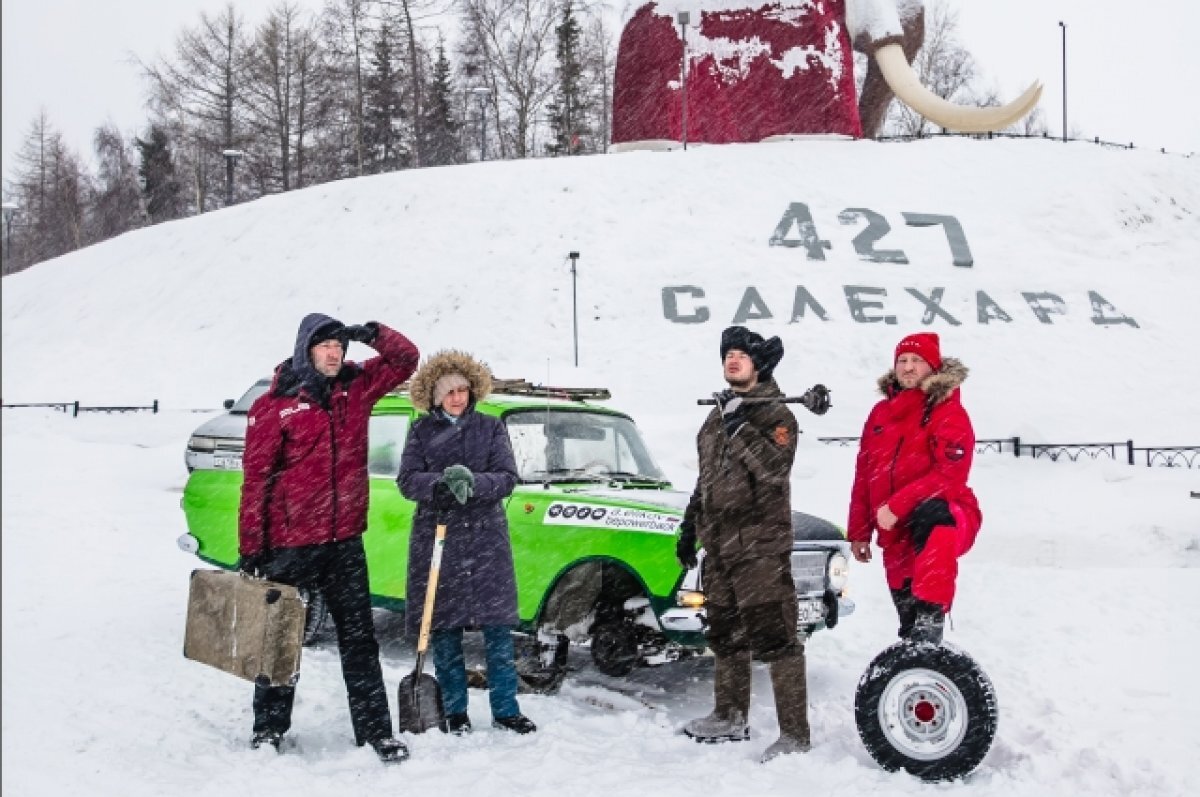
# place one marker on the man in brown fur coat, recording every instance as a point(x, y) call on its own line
point(741, 512)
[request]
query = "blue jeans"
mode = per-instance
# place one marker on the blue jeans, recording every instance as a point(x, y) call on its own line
point(451, 670)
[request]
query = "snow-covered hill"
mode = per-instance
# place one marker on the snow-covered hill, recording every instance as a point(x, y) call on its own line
point(1079, 598)
point(476, 257)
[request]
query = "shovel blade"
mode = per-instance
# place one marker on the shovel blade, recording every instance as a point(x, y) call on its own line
point(420, 703)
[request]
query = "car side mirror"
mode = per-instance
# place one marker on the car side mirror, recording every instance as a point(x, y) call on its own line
point(228, 404)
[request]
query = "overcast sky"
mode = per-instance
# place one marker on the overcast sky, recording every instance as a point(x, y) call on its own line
point(1133, 69)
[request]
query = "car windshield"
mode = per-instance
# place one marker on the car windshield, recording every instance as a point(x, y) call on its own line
point(242, 405)
point(553, 445)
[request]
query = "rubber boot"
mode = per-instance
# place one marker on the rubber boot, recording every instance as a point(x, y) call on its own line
point(906, 608)
point(731, 692)
point(789, 680)
point(929, 623)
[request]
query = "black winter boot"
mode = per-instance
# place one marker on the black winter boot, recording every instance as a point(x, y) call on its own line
point(929, 623)
point(390, 750)
point(906, 608)
point(517, 723)
point(457, 724)
point(273, 738)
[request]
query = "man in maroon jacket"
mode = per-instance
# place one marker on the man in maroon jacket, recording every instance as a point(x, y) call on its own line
point(910, 485)
point(304, 505)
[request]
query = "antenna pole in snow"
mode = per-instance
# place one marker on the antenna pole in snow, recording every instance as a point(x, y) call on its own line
point(1063, 25)
point(683, 17)
point(574, 306)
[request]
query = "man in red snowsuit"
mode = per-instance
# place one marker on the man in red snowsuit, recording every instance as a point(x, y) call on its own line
point(910, 484)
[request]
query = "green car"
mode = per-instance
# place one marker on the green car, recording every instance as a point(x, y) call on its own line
point(593, 523)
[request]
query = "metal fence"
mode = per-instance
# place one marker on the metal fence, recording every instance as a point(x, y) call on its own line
point(1043, 135)
point(1150, 456)
point(74, 407)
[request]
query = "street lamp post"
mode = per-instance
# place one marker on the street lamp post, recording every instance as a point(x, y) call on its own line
point(231, 159)
point(482, 93)
point(10, 209)
point(574, 307)
point(1063, 25)
point(683, 18)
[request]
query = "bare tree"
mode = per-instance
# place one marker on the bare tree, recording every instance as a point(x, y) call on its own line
point(944, 67)
point(283, 91)
point(198, 95)
point(1034, 124)
point(599, 61)
point(116, 204)
point(511, 45)
point(50, 185)
point(344, 27)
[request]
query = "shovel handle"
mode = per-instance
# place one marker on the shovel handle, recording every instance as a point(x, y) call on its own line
point(435, 567)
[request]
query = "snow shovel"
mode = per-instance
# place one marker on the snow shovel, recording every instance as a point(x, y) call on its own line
point(420, 700)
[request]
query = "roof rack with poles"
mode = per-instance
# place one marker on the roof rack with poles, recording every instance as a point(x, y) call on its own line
point(523, 387)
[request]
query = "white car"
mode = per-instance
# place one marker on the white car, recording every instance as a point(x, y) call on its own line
point(218, 443)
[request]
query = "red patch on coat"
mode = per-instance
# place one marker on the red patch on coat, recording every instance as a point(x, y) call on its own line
point(955, 452)
point(782, 436)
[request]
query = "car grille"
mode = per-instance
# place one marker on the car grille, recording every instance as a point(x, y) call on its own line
point(808, 571)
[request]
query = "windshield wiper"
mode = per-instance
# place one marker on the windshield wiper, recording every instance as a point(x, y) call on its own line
point(626, 477)
point(565, 475)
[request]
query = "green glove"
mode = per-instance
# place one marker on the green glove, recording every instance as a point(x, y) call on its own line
point(460, 481)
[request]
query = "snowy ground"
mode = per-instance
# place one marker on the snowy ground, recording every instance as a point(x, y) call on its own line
point(1079, 599)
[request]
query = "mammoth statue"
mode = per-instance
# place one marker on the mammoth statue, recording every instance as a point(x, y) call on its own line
point(762, 68)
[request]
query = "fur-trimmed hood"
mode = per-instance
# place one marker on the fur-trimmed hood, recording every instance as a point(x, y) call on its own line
point(937, 386)
point(449, 361)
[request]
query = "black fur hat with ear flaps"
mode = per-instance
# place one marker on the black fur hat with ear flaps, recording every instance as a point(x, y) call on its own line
point(443, 363)
point(765, 353)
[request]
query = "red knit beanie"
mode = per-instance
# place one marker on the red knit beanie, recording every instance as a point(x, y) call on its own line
point(923, 344)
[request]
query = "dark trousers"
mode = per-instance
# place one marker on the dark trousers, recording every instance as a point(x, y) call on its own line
point(339, 571)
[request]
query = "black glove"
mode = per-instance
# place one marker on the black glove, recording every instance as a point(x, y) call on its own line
point(363, 333)
point(443, 497)
point(816, 399)
point(252, 565)
point(733, 411)
point(685, 546)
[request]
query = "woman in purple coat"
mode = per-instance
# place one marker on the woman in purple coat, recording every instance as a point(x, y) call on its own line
point(458, 466)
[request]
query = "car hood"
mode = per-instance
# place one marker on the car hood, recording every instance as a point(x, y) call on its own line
point(672, 500)
point(805, 527)
point(224, 425)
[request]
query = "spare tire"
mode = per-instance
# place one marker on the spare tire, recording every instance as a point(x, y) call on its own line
point(928, 709)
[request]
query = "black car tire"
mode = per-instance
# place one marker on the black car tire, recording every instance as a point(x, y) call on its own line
point(541, 666)
point(615, 648)
point(928, 709)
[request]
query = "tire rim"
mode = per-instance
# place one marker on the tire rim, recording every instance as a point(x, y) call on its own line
point(923, 714)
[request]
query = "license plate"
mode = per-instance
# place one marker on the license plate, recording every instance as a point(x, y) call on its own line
point(227, 462)
point(810, 612)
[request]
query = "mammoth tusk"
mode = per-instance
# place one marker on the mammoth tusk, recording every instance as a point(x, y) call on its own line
point(904, 82)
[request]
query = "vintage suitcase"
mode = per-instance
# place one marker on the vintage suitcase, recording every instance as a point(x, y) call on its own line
point(249, 627)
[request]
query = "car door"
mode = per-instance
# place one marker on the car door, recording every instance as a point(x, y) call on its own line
point(389, 514)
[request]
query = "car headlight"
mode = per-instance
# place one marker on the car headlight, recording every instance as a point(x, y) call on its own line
point(689, 598)
point(839, 572)
point(199, 443)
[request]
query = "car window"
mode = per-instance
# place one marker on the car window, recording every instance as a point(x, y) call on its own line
point(385, 440)
point(242, 405)
point(568, 444)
